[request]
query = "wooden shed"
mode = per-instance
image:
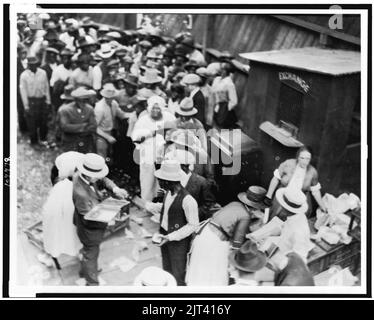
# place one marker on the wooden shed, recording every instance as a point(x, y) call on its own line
point(306, 96)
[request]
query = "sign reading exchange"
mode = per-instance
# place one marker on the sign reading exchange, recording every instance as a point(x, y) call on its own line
point(293, 77)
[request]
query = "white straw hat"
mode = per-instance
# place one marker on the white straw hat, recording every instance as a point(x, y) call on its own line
point(170, 170)
point(93, 165)
point(293, 200)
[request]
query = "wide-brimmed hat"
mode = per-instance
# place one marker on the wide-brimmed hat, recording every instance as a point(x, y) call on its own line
point(144, 94)
point(132, 80)
point(109, 91)
point(52, 50)
point(186, 108)
point(72, 23)
point(191, 64)
point(191, 78)
point(113, 63)
point(253, 197)
point(154, 276)
point(114, 35)
point(67, 162)
point(150, 76)
point(214, 68)
point(121, 51)
point(188, 42)
point(66, 52)
point(32, 60)
point(68, 89)
point(248, 258)
point(293, 200)
point(93, 165)
point(127, 59)
point(145, 44)
point(170, 170)
point(203, 72)
point(86, 41)
point(106, 51)
point(182, 156)
point(151, 54)
point(82, 93)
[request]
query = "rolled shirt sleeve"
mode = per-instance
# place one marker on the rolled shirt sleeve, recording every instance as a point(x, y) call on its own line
point(277, 174)
point(192, 215)
point(233, 97)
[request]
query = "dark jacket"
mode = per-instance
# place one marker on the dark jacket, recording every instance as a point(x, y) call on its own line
point(199, 103)
point(84, 199)
point(198, 187)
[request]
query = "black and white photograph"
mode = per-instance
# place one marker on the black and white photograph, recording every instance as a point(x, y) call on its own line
point(189, 150)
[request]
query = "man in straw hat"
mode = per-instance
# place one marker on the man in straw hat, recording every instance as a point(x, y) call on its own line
point(294, 234)
point(91, 174)
point(106, 110)
point(226, 228)
point(187, 120)
point(151, 81)
point(196, 185)
point(179, 219)
point(148, 134)
point(101, 71)
point(192, 83)
point(77, 122)
point(35, 94)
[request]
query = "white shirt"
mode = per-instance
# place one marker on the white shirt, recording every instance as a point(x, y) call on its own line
point(297, 178)
point(97, 77)
point(173, 105)
point(193, 92)
point(68, 40)
point(185, 178)
point(60, 73)
point(295, 236)
point(151, 148)
point(224, 91)
point(190, 208)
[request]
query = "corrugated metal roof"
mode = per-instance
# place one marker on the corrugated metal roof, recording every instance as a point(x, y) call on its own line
point(325, 61)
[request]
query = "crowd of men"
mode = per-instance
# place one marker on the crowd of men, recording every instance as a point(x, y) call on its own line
point(91, 88)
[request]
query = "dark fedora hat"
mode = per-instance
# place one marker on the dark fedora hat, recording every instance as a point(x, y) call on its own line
point(248, 258)
point(253, 197)
point(68, 89)
point(66, 52)
point(132, 79)
point(32, 60)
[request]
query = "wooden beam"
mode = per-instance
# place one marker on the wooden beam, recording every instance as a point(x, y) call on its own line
point(319, 29)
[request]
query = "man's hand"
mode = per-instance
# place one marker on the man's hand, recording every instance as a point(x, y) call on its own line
point(120, 193)
point(27, 108)
point(154, 208)
point(111, 140)
point(164, 240)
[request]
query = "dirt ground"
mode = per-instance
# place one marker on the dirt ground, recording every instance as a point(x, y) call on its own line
point(33, 180)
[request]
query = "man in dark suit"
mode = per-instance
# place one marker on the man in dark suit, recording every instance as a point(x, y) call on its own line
point(196, 185)
point(91, 175)
point(192, 82)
